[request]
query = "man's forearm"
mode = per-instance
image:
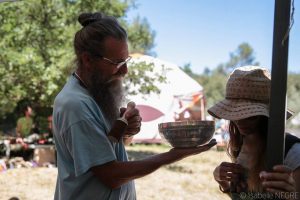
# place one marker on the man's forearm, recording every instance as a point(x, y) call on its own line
point(114, 174)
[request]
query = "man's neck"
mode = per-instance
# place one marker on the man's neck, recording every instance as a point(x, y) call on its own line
point(82, 77)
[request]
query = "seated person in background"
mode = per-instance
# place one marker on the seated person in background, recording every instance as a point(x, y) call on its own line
point(246, 106)
point(25, 123)
point(50, 133)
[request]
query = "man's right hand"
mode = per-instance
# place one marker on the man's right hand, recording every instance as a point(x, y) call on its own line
point(185, 152)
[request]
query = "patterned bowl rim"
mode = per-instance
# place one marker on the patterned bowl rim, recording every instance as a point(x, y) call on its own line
point(188, 123)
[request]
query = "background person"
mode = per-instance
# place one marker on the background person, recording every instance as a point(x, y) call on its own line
point(25, 123)
point(246, 106)
point(86, 112)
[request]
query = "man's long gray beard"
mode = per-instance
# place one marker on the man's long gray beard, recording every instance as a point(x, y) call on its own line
point(108, 95)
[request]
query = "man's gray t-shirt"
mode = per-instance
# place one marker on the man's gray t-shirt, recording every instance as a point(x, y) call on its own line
point(80, 133)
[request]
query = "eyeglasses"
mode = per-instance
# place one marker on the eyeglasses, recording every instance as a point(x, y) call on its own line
point(117, 64)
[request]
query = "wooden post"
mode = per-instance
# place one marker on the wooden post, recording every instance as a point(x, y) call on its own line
point(276, 130)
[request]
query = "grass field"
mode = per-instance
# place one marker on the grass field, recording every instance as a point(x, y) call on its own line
point(188, 179)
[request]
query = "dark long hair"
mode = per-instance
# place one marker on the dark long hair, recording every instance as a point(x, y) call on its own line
point(90, 39)
point(234, 149)
point(96, 28)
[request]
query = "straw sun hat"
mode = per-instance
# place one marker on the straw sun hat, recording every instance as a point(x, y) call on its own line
point(247, 94)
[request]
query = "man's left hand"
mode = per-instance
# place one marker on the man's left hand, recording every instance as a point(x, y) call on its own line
point(134, 121)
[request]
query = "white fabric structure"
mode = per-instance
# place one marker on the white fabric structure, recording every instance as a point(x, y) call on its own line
point(158, 108)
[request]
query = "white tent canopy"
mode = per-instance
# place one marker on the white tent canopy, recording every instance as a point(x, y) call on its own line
point(158, 108)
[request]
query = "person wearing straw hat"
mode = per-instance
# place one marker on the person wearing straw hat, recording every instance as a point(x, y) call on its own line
point(246, 106)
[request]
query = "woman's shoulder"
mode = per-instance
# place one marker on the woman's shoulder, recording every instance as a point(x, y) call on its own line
point(290, 141)
point(292, 147)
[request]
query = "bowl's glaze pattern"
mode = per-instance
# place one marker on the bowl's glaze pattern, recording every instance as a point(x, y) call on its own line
point(187, 134)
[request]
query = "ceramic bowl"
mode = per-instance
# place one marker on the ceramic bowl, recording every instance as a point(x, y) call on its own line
point(187, 134)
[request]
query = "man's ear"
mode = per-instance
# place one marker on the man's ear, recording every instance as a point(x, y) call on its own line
point(86, 60)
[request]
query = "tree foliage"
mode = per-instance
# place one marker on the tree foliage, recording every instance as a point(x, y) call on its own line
point(214, 80)
point(214, 87)
point(135, 85)
point(36, 46)
point(243, 55)
point(140, 32)
point(293, 92)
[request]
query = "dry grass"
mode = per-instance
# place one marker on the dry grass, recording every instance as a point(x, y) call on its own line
point(28, 184)
point(188, 179)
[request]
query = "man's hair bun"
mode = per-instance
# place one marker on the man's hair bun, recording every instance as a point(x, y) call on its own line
point(88, 18)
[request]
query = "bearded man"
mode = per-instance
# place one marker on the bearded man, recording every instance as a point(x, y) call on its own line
point(91, 158)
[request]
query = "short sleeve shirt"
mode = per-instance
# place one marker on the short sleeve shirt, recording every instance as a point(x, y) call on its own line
point(292, 158)
point(25, 125)
point(80, 134)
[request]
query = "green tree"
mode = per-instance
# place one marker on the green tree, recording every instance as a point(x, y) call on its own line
point(187, 69)
point(36, 47)
point(243, 55)
point(141, 36)
point(293, 96)
point(135, 85)
point(214, 81)
point(214, 87)
point(293, 92)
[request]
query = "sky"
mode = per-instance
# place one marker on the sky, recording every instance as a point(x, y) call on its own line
point(205, 32)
